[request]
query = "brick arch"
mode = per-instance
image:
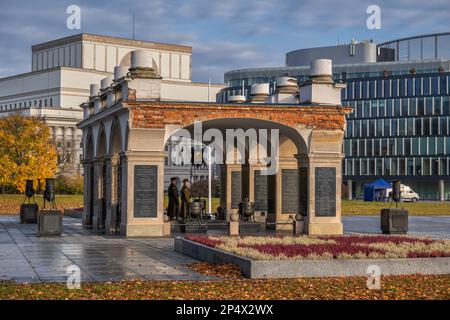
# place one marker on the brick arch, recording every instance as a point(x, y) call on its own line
point(245, 123)
point(158, 114)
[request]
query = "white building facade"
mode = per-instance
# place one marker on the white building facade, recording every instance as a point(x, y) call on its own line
point(63, 69)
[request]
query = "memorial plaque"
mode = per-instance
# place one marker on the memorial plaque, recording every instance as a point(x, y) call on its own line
point(145, 191)
point(303, 191)
point(236, 189)
point(289, 185)
point(325, 192)
point(260, 191)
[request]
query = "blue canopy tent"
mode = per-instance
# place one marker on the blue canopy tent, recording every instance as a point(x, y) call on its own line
point(376, 190)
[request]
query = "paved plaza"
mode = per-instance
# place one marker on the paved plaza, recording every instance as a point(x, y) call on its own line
point(24, 257)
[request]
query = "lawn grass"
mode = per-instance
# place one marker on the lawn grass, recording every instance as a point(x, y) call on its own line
point(421, 208)
point(10, 204)
point(392, 287)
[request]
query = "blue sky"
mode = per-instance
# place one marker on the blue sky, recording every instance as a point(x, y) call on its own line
point(225, 34)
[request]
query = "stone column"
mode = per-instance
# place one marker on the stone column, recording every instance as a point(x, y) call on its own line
point(87, 180)
point(111, 196)
point(135, 223)
point(284, 214)
point(324, 207)
point(230, 172)
point(98, 194)
point(349, 189)
point(441, 187)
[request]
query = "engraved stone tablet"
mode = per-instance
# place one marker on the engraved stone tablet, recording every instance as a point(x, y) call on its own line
point(260, 192)
point(236, 189)
point(145, 191)
point(289, 185)
point(325, 192)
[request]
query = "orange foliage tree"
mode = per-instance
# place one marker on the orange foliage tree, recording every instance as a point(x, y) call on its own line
point(26, 151)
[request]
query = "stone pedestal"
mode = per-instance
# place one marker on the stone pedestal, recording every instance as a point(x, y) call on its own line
point(394, 221)
point(50, 223)
point(299, 227)
point(233, 228)
point(29, 213)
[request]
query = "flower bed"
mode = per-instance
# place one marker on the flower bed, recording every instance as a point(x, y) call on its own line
point(327, 247)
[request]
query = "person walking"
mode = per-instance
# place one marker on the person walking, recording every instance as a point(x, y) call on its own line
point(174, 201)
point(185, 199)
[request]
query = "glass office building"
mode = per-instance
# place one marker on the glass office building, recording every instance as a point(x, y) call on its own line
point(400, 127)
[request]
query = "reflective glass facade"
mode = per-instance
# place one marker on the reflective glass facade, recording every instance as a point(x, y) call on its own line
point(400, 128)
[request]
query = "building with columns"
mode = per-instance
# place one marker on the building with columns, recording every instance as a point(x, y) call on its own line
point(63, 69)
point(128, 121)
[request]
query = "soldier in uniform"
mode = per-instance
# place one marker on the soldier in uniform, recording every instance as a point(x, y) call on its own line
point(185, 199)
point(174, 200)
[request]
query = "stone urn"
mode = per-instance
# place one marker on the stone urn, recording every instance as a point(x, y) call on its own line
point(195, 209)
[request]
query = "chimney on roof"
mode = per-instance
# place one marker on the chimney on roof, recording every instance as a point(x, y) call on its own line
point(142, 65)
point(320, 88)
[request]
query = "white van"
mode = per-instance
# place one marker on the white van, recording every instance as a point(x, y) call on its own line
point(406, 193)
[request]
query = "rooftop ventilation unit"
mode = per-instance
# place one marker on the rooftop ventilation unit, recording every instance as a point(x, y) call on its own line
point(237, 99)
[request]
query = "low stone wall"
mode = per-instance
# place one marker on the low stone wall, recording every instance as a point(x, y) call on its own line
point(73, 213)
point(312, 268)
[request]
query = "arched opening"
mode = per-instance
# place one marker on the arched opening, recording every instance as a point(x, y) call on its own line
point(258, 163)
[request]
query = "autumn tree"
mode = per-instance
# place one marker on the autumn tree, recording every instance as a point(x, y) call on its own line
point(25, 151)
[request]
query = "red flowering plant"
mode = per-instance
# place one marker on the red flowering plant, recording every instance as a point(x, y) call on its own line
point(327, 247)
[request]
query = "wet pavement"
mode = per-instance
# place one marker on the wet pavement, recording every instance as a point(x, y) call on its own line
point(25, 257)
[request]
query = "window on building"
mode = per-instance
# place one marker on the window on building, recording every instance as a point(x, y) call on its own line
point(418, 86)
point(51, 102)
point(410, 85)
point(446, 105)
point(400, 151)
point(362, 148)
point(387, 127)
point(410, 167)
point(419, 126)
point(397, 108)
point(394, 127)
point(429, 106)
point(443, 166)
point(384, 147)
point(410, 126)
point(407, 146)
point(387, 89)
point(432, 145)
point(402, 166)
point(415, 146)
point(426, 126)
point(379, 127)
point(426, 86)
point(374, 108)
point(443, 126)
point(440, 145)
point(401, 127)
point(418, 166)
point(423, 146)
point(380, 89)
point(366, 106)
point(392, 147)
point(394, 167)
point(381, 108)
point(389, 108)
point(387, 166)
